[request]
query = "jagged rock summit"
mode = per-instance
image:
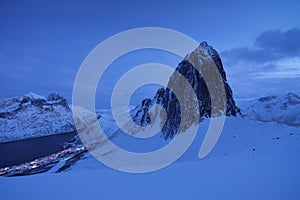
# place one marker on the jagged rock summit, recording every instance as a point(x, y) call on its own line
point(192, 68)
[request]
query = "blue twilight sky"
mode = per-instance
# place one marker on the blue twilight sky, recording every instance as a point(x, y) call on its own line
point(42, 43)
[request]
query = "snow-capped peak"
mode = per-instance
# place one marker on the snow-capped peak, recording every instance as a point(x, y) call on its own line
point(54, 97)
point(292, 98)
point(279, 108)
point(203, 46)
point(33, 115)
point(33, 95)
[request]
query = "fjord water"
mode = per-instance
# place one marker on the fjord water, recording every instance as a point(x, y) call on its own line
point(17, 152)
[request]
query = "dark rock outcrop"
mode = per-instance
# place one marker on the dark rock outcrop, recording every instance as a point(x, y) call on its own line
point(166, 98)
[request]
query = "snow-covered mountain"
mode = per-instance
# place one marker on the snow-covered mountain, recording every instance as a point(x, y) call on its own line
point(192, 68)
point(33, 115)
point(283, 109)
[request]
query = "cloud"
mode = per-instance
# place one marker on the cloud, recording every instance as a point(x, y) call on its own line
point(280, 43)
point(271, 65)
point(246, 55)
point(274, 54)
point(283, 68)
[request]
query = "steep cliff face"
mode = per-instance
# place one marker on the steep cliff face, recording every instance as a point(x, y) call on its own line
point(191, 68)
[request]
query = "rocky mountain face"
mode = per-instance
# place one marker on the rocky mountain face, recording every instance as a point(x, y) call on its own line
point(33, 115)
point(278, 108)
point(191, 68)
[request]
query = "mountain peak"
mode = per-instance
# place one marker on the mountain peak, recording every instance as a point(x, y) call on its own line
point(191, 68)
point(33, 95)
point(208, 48)
point(279, 108)
point(54, 97)
point(200, 50)
point(292, 95)
point(204, 44)
point(33, 115)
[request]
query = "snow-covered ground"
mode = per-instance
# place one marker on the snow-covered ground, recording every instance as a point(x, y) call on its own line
point(252, 160)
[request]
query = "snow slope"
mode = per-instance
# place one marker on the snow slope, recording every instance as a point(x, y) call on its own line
point(252, 160)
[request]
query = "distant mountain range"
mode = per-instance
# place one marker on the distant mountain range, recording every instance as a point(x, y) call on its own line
point(283, 109)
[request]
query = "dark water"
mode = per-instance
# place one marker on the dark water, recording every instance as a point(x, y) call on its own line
point(14, 153)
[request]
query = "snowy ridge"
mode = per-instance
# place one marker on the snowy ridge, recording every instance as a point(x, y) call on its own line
point(34, 115)
point(283, 109)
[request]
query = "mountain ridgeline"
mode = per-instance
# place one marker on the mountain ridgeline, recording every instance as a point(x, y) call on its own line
point(283, 109)
point(33, 115)
point(192, 69)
